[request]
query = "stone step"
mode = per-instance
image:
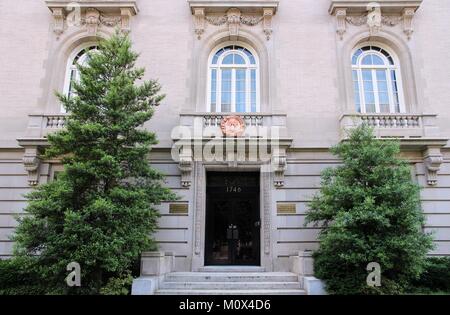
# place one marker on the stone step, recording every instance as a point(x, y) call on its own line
point(231, 277)
point(232, 269)
point(230, 292)
point(229, 285)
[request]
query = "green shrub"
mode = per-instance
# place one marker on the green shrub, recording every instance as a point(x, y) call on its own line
point(436, 276)
point(101, 210)
point(20, 276)
point(120, 285)
point(370, 212)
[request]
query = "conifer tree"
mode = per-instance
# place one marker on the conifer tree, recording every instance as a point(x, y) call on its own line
point(100, 211)
point(370, 211)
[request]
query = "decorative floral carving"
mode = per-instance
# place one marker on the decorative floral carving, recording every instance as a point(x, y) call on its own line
point(216, 20)
point(391, 20)
point(357, 20)
point(92, 19)
point(374, 19)
point(234, 19)
point(251, 20)
point(110, 21)
point(388, 20)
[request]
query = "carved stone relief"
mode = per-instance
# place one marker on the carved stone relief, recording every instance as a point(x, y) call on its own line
point(375, 20)
point(92, 19)
point(234, 19)
point(32, 164)
point(433, 159)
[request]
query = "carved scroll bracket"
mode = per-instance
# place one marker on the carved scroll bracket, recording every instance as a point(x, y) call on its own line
point(32, 164)
point(186, 165)
point(433, 159)
point(279, 164)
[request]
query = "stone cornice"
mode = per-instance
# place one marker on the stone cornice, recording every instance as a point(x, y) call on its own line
point(360, 6)
point(234, 14)
point(374, 14)
point(223, 5)
point(102, 5)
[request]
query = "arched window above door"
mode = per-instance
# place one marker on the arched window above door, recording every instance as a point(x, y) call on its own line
point(377, 81)
point(233, 80)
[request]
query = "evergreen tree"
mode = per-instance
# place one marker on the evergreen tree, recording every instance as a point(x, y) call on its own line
point(370, 211)
point(100, 210)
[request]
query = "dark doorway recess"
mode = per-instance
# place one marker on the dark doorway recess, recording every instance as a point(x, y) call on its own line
point(232, 219)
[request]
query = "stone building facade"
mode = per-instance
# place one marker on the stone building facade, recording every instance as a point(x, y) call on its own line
point(296, 73)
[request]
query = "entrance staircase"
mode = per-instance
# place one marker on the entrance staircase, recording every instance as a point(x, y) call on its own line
point(230, 281)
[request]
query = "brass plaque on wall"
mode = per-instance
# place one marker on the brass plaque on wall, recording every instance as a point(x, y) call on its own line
point(286, 208)
point(178, 208)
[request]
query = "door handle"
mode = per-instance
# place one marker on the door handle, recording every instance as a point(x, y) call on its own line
point(258, 224)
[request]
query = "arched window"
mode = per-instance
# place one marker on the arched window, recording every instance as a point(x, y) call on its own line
point(233, 80)
point(72, 73)
point(377, 81)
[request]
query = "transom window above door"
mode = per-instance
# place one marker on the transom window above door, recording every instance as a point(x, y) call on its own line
point(376, 81)
point(233, 80)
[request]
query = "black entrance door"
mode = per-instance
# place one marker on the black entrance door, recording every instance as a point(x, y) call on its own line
point(232, 219)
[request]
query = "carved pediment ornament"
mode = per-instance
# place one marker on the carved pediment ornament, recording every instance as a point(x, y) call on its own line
point(92, 19)
point(234, 18)
point(375, 19)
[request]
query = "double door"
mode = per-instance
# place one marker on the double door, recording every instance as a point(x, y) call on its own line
point(232, 219)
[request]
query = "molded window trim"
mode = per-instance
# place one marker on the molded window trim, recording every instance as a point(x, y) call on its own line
point(376, 78)
point(78, 57)
point(233, 79)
